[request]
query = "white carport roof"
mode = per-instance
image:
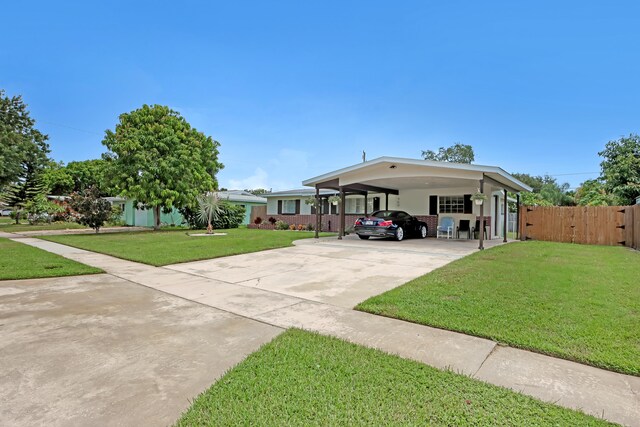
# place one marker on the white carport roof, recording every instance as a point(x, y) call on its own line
point(394, 173)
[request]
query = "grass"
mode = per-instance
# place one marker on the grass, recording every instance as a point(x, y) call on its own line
point(12, 227)
point(170, 247)
point(307, 379)
point(576, 302)
point(20, 261)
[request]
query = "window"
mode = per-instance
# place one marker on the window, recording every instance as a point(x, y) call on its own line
point(358, 205)
point(288, 206)
point(451, 204)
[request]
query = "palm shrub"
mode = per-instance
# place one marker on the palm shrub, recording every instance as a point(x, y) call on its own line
point(209, 207)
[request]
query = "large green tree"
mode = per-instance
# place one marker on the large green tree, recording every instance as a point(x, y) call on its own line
point(621, 168)
point(23, 148)
point(156, 158)
point(77, 176)
point(90, 174)
point(592, 192)
point(457, 153)
point(57, 180)
point(546, 191)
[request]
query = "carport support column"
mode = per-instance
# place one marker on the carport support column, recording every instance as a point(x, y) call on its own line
point(506, 217)
point(518, 216)
point(481, 222)
point(366, 200)
point(386, 201)
point(343, 206)
point(318, 217)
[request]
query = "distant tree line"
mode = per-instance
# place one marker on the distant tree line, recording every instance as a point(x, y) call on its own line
point(618, 183)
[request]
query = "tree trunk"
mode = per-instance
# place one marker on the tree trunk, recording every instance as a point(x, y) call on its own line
point(156, 217)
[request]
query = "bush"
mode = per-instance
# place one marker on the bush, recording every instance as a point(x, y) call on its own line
point(272, 220)
point(66, 214)
point(257, 221)
point(40, 209)
point(116, 216)
point(94, 211)
point(230, 216)
point(301, 227)
point(281, 225)
point(292, 227)
point(309, 227)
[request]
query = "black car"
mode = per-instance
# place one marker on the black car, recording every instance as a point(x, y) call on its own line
point(396, 224)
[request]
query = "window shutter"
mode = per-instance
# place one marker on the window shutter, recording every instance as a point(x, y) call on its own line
point(297, 206)
point(468, 204)
point(433, 205)
point(279, 207)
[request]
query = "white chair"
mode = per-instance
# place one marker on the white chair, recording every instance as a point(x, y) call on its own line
point(447, 224)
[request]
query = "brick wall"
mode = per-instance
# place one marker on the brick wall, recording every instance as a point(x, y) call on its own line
point(332, 222)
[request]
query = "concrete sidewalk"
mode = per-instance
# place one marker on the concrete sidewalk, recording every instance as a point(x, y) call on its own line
point(614, 396)
point(103, 230)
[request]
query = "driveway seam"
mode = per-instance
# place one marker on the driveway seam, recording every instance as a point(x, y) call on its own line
point(199, 302)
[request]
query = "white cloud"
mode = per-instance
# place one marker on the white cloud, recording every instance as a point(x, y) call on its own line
point(286, 170)
point(259, 179)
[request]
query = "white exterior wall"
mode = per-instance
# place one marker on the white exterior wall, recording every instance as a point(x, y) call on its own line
point(415, 202)
point(272, 204)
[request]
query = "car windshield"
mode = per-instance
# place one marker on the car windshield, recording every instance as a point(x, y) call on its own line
point(388, 214)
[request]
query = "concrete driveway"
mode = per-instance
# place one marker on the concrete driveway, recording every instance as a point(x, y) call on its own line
point(341, 273)
point(135, 346)
point(99, 350)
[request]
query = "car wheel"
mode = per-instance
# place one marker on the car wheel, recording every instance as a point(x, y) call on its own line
point(399, 234)
point(423, 231)
point(363, 237)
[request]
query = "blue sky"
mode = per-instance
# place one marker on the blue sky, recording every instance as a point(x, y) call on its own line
point(294, 89)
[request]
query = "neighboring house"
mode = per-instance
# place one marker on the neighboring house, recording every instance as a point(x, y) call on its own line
point(244, 199)
point(141, 217)
point(424, 188)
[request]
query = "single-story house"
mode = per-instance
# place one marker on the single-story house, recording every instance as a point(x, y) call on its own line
point(138, 216)
point(427, 189)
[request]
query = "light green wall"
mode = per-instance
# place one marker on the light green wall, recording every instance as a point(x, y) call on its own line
point(145, 219)
point(247, 209)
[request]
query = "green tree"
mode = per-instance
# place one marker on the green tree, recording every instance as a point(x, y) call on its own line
point(258, 191)
point(457, 153)
point(620, 168)
point(22, 146)
point(592, 192)
point(57, 179)
point(17, 194)
point(546, 191)
point(90, 173)
point(156, 158)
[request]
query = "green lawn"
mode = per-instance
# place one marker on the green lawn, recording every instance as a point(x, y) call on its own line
point(12, 227)
point(577, 302)
point(305, 379)
point(20, 261)
point(170, 247)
